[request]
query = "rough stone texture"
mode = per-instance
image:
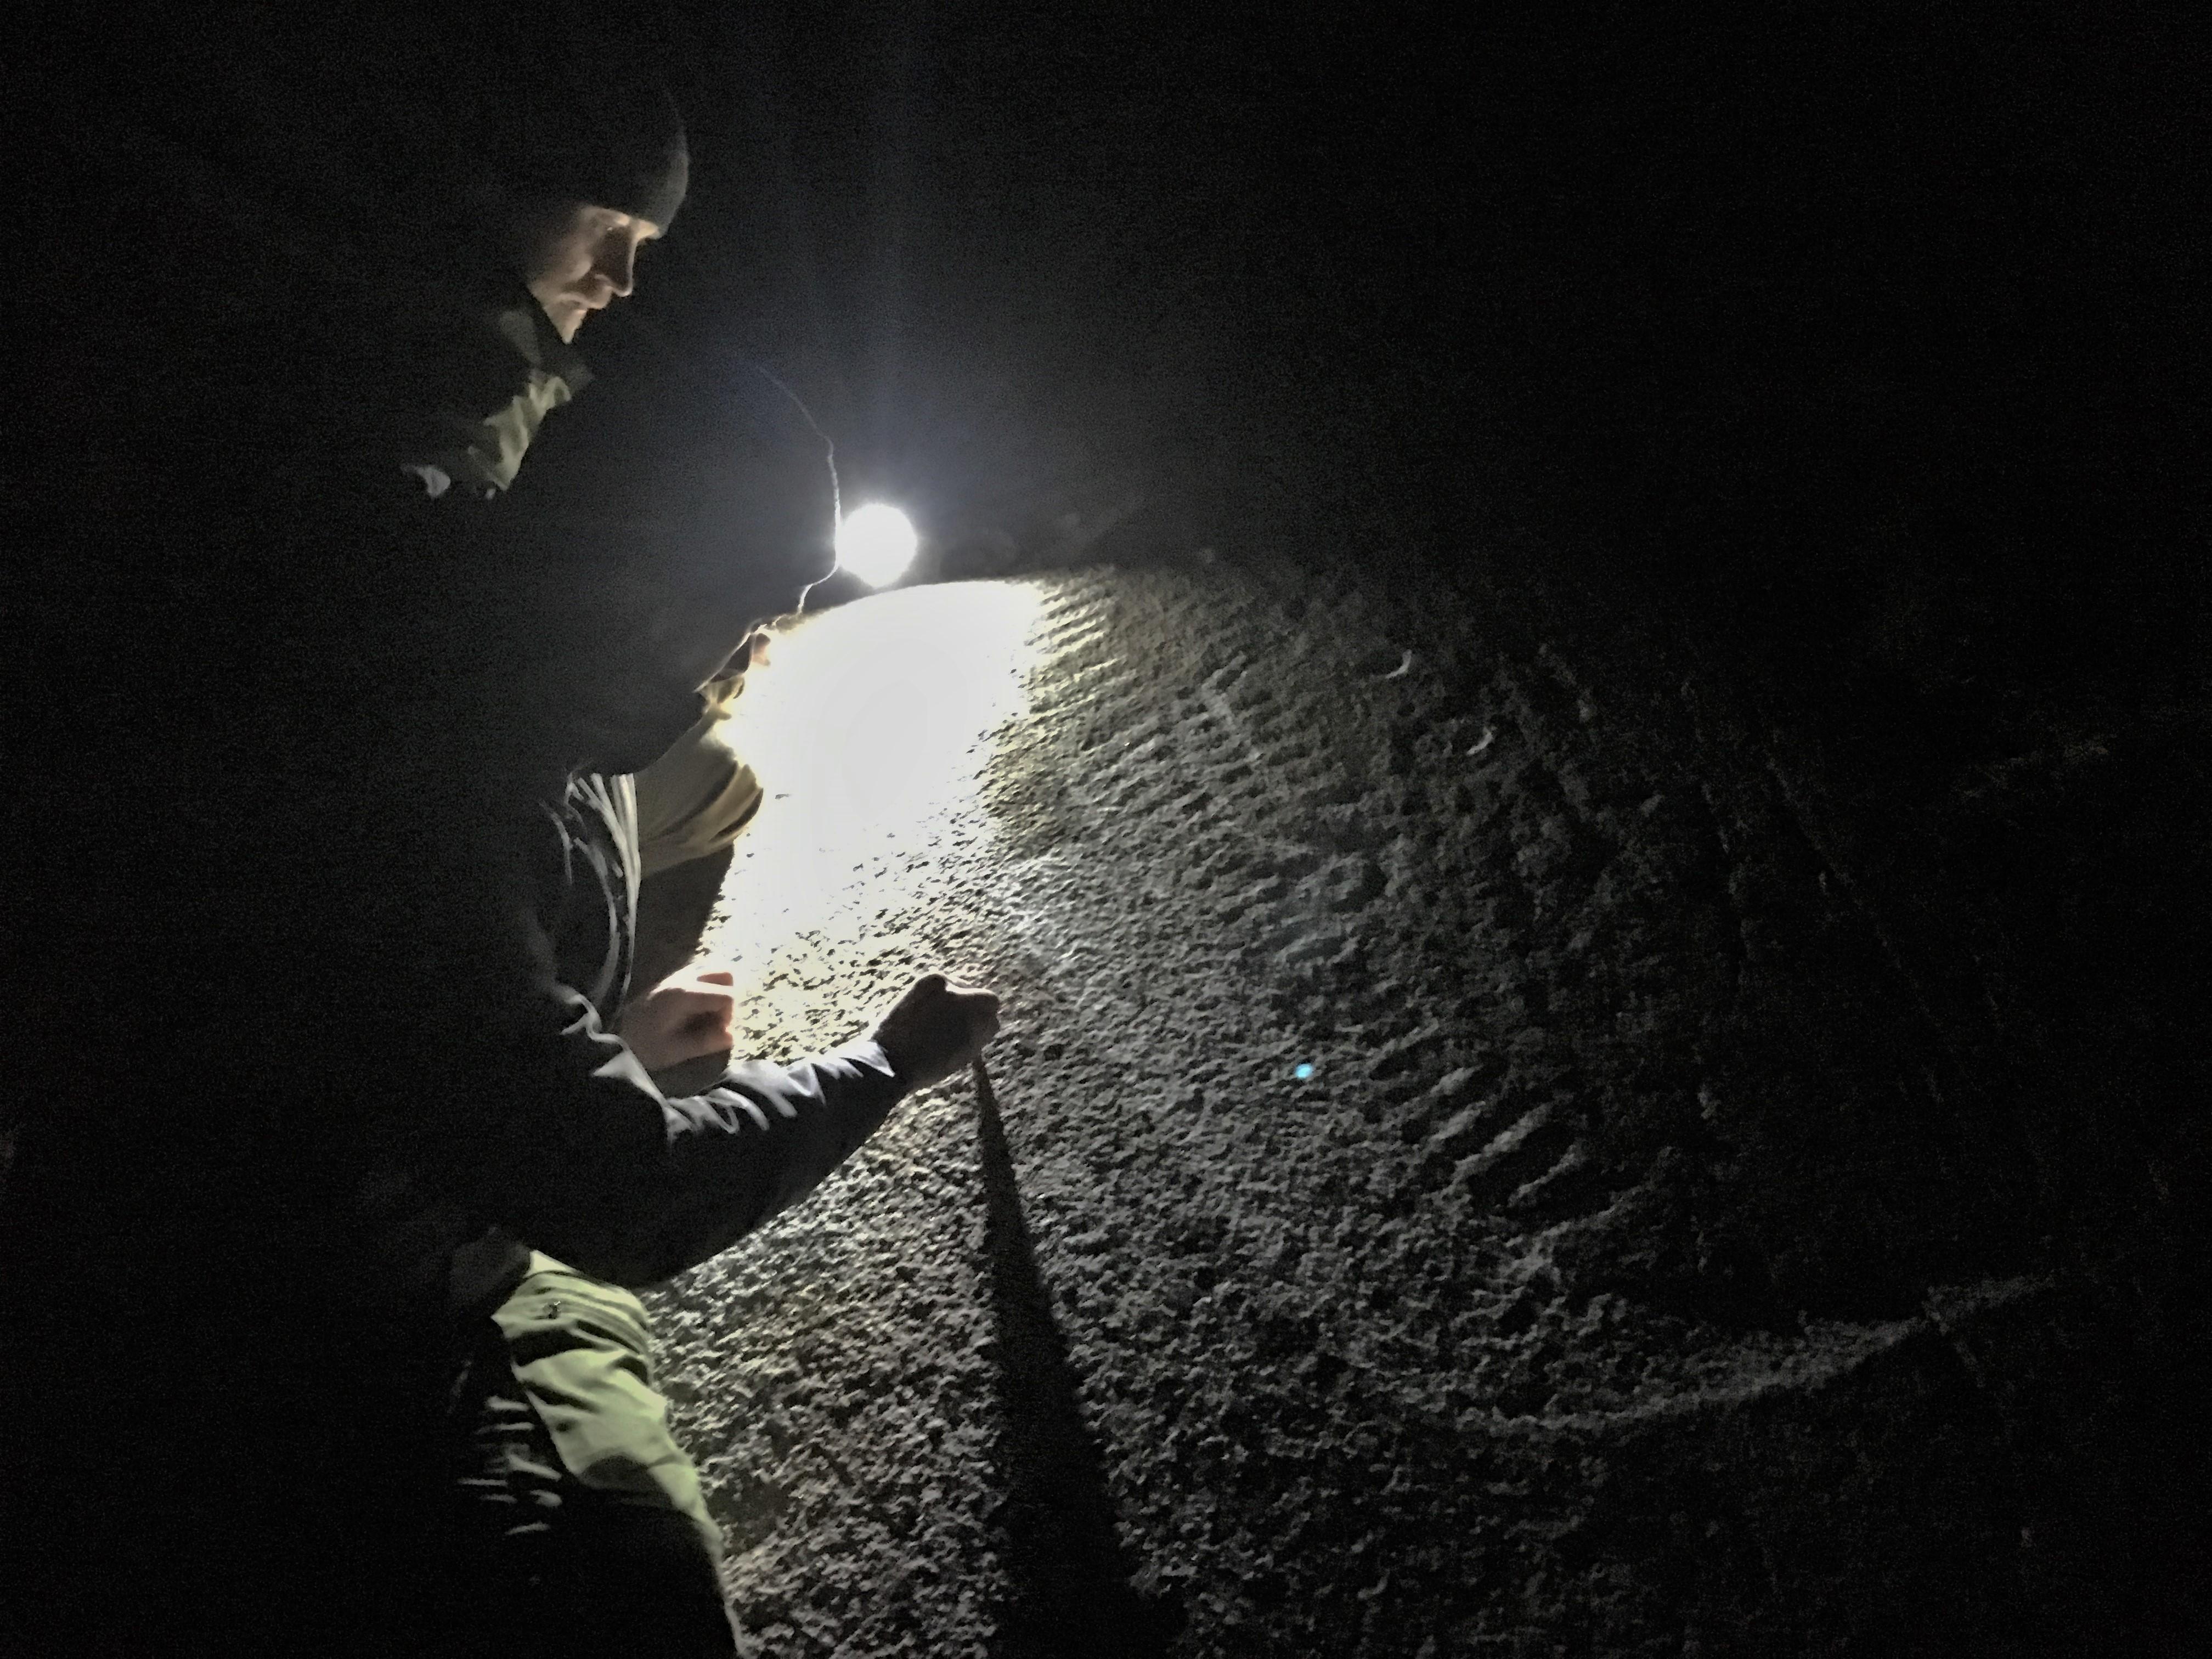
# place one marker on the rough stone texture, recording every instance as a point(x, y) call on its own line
point(1468, 1171)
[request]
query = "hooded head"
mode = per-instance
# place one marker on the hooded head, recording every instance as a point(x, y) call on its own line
point(685, 504)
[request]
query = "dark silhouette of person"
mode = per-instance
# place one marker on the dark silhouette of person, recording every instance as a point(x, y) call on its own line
point(322, 729)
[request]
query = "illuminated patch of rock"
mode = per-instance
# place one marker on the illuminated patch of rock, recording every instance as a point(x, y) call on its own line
point(1488, 1179)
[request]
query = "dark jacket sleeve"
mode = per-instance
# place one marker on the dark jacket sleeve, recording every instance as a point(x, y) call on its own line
point(512, 1099)
point(634, 1186)
point(579, 1152)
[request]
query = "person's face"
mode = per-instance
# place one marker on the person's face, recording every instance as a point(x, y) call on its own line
point(577, 259)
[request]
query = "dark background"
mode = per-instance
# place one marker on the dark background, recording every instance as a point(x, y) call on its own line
point(1859, 333)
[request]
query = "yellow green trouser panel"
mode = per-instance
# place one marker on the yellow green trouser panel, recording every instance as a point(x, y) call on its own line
point(582, 1351)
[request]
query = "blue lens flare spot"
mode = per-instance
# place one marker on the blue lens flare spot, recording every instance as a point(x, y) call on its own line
point(1301, 1071)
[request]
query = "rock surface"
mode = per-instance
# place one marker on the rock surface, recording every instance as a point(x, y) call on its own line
point(1464, 1172)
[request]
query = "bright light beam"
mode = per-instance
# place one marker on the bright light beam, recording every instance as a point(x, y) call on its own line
point(873, 731)
point(877, 543)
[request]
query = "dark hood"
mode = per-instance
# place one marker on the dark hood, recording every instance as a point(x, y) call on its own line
point(682, 503)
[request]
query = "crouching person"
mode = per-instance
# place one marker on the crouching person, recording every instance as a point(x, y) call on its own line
point(578, 1524)
point(581, 1524)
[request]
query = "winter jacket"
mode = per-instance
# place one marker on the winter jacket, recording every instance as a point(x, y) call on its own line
point(606, 1173)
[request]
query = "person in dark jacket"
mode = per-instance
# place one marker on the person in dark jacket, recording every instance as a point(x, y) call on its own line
point(584, 1522)
point(581, 1526)
point(293, 1026)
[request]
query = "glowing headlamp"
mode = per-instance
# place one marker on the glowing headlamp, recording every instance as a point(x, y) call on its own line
point(877, 543)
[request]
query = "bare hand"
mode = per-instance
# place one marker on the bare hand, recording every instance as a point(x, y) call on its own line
point(690, 1014)
point(936, 1029)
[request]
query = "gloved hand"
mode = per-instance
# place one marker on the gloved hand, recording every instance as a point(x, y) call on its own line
point(936, 1029)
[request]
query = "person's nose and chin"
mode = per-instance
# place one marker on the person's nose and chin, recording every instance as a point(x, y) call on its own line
point(613, 275)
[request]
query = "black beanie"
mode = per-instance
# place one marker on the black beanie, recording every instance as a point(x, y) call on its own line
point(585, 117)
point(618, 146)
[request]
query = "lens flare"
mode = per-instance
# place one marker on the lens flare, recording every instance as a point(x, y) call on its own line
point(877, 543)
